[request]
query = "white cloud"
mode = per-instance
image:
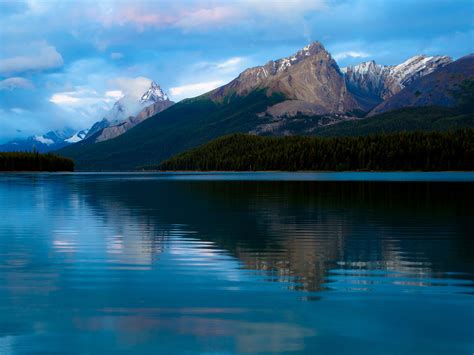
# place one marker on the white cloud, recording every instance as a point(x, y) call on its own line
point(42, 56)
point(231, 64)
point(16, 83)
point(82, 97)
point(201, 77)
point(205, 17)
point(64, 98)
point(350, 54)
point(116, 55)
point(197, 14)
point(192, 90)
point(115, 94)
point(82, 106)
point(283, 8)
point(18, 110)
point(134, 87)
point(44, 140)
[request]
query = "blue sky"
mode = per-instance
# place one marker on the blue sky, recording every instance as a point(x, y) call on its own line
point(66, 62)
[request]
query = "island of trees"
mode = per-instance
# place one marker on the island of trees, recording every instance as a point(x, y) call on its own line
point(427, 151)
point(34, 161)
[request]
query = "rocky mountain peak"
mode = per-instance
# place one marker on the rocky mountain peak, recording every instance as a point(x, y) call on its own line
point(310, 80)
point(274, 67)
point(153, 94)
point(380, 82)
point(416, 67)
point(129, 106)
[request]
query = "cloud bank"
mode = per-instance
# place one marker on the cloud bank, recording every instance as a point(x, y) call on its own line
point(43, 57)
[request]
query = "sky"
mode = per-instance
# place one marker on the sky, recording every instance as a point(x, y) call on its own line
point(65, 62)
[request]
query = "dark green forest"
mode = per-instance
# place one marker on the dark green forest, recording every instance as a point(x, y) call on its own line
point(34, 161)
point(427, 151)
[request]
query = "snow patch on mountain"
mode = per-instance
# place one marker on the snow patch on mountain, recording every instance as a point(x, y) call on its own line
point(77, 137)
point(153, 94)
point(278, 66)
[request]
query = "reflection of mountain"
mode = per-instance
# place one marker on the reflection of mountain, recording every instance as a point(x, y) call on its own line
point(297, 231)
point(291, 232)
point(142, 261)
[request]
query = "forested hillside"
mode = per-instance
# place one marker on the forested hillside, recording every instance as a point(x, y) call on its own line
point(184, 125)
point(400, 151)
point(411, 119)
point(21, 161)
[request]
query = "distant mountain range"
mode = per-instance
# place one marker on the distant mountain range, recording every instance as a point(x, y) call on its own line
point(126, 113)
point(49, 141)
point(304, 93)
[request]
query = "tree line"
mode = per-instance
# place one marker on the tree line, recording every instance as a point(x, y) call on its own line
point(34, 161)
point(428, 151)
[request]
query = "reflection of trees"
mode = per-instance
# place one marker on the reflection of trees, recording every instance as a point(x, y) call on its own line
point(293, 232)
point(296, 231)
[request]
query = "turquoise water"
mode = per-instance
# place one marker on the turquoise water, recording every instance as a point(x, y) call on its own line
point(330, 263)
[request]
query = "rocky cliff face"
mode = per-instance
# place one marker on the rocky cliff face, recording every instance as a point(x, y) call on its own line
point(122, 127)
point(372, 83)
point(402, 75)
point(310, 80)
point(436, 88)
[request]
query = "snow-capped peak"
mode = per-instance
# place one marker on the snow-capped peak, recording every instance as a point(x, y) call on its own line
point(129, 106)
point(364, 68)
point(384, 81)
point(419, 65)
point(77, 137)
point(153, 94)
point(274, 67)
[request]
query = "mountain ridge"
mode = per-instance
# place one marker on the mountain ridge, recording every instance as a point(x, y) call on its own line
point(310, 79)
point(299, 94)
point(374, 83)
point(46, 142)
point(435, 88)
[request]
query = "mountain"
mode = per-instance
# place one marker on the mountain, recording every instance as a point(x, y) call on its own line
point(310, 80)
point(372, 83)
point(184, 125)
point(127, 112)
point(436, 88)
point(47, 142)
point(305, 93)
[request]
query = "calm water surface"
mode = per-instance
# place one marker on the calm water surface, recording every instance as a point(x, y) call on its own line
point(265, 262)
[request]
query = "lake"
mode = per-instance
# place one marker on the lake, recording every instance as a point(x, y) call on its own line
point(318, 263)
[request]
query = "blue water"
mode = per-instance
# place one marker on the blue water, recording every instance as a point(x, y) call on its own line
point(328, 263)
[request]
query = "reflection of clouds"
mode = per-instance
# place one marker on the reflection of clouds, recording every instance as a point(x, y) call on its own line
point(65, 239)
point(64, 246)
point(7, 344)
point(115, 244)
point(192, 252)
point(141, 326)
